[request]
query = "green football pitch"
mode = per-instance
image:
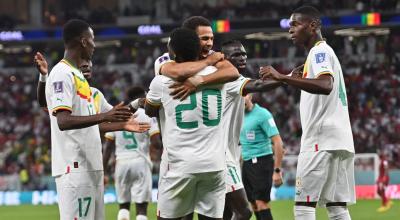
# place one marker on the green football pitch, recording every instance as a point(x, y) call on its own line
point(282, 210)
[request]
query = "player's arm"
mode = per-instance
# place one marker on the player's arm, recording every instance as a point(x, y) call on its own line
point(109, 148)
point(182, 71)
point(153, 98)
point(155, 141)
point(260, 86)
point(67, 121)
point(131, 125)
point(42, 67)
point(322, 84)
point(226, 73)
point(151, 109)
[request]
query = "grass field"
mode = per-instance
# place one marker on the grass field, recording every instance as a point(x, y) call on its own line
point(282, 210)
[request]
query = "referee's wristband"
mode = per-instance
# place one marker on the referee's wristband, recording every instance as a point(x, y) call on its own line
point(42, 78)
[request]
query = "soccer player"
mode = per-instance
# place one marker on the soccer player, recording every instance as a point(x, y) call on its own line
point(325, 169)
point(382, 182)
point(133, 178)
point(260, 139)
point(76, 145)
point(236, 200)
point(192, 131)
point(100, 103)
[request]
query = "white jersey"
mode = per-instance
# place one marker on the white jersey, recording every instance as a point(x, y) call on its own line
point(233, 119)
point(325, 118)
point(163, 59)
point(192, 128)
point(77, 150)
point(132, 145)
point(100, 103)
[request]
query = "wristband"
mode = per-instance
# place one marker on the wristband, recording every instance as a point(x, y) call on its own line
point(196, 80)
point(42, 78)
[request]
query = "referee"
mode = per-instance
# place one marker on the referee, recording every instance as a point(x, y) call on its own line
point(260, 140)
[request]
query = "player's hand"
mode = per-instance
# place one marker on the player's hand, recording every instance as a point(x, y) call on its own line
point(277, 179)
point(214, 58)
point(269, 72)
point(119, 113)
point(133, 125)
point(181, 90)
point(41, 63)
point(297, 72)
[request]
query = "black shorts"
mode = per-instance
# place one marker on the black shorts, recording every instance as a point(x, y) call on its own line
point(257, 178)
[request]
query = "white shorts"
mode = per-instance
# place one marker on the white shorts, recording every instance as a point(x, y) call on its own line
point(81, 195)
point(181, 194)
point(325, 176)
point(233, 178)
point(133, 181)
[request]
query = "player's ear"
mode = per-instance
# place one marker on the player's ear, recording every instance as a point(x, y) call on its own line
point(83, 42)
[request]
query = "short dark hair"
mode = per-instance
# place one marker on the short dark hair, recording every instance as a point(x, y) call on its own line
point(74, 29)
point(185, 44)
point(135, 92)
point(309, 11)
point(196, 21)
point(229, 43)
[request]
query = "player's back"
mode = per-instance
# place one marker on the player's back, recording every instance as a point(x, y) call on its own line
point(131, 145)
point(192, 128)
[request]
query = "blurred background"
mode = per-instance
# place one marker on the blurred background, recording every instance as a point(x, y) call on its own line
point(131, 34)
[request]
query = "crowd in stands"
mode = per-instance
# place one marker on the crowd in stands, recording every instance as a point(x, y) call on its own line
point(57, 12)
point(371, 65)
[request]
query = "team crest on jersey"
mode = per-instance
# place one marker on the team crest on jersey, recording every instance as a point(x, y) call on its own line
point(58, 87)
point(82, 87)
point(320, 57)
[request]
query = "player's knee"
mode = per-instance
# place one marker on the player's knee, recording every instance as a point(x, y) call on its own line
point(338, 213)
point(304, 212)
point(243, 214)
point(141, 217)
point(262, 205)
point(123, 214)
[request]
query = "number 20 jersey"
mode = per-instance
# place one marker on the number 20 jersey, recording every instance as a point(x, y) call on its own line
point(191, 129)
point(325, 118)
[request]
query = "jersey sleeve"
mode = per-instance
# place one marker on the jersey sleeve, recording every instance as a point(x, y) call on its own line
point(236, 87)
point(105, 106)
point(154, 127)
point(61, 91)
point(268, 125)
point(154, 95)
point(163, 59)
point(110, 136)
point(321, 62)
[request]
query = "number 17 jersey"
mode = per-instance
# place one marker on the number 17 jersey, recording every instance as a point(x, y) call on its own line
point(191, 129)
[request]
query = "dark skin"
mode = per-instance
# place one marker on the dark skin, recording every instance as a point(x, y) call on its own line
point(305, 32)
point(181, 71)
point(78, 51)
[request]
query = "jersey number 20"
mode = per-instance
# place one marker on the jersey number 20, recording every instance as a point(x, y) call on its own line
point(205, 109)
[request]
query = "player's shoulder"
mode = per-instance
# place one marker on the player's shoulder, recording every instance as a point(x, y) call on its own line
point(207, 70)
point(322, 48)
point(163, 58)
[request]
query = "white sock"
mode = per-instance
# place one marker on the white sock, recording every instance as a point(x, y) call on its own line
point(304, 212)
point(141, 217)
point(338, 213)
point(123, 214)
